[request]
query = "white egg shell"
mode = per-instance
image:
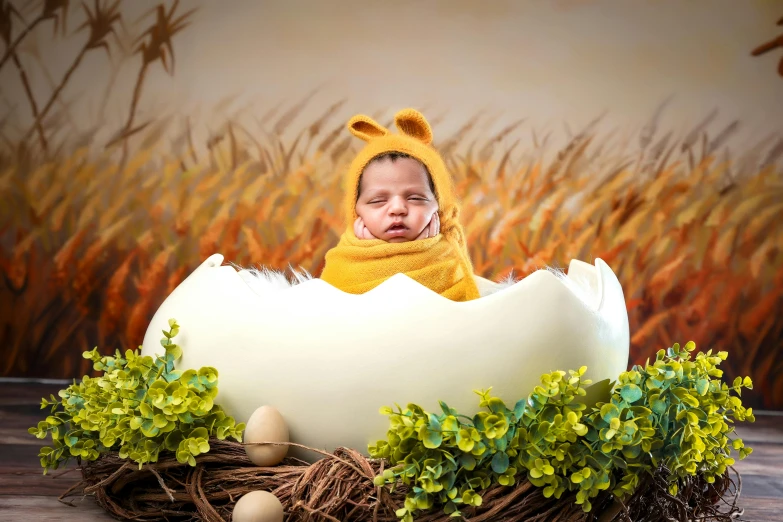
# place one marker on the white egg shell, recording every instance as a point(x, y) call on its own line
point(258, 506)
point(265, 425)
point(328, 360)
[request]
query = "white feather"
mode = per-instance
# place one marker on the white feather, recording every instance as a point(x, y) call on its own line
point(262, 280)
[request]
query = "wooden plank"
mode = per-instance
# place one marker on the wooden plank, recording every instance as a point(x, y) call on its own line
point(30, 481)
point(20, 456)
point(766, 460)
point(17, 423)
point(28, 392)
point(49, 509)
point(762, 486)
point(761, 509)
point(20, 436)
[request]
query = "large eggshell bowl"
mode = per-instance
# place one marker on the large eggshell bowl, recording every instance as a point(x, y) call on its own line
point(328, 360)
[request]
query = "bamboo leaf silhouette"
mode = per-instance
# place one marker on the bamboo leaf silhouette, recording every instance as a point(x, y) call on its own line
point(7, 14)
point(769, 46)
point(157, 47)
point(101, 24)
point(52, 10)
point(31, 47)
point(125, 38)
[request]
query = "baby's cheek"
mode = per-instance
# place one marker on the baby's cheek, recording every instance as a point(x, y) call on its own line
point(373, 225)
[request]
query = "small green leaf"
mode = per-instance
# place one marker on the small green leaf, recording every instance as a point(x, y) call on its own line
point(519, 408)
point(630, 393)
point(199, 433)
point(467, 461)
point(658, 405)
point(445, 408)
point(450, 424)
point(609, 411)
point(500, 462)
point(431, 439)
point(174, 350)
point(434, 423)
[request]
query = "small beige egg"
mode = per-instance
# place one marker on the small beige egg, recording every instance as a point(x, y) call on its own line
point(266, 425)
point(258, 506)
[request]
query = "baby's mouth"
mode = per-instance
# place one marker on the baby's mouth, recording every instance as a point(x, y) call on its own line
point(396, 227)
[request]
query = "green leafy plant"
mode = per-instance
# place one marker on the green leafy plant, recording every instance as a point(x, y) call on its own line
point(673, 412)
point(140, 406)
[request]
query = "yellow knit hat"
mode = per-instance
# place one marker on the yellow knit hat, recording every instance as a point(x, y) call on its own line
point(441, 262)
point(414, 139)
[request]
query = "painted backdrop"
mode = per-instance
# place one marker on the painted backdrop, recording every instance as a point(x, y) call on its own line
point(138, 138)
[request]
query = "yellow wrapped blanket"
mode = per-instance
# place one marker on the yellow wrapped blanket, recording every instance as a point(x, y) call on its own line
point(440, 263)
point(359, 265)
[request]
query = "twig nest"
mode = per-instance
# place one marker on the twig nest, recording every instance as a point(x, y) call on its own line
point(266, 425)
point(258, 506)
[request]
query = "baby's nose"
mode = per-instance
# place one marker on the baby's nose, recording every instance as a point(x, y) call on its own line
point(398, 206)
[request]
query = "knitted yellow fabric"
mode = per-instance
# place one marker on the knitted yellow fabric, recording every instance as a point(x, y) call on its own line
point(440, 263)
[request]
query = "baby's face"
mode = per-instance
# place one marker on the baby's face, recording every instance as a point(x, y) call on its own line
point(395, 200)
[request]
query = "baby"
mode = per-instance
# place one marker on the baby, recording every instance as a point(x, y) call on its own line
point(396, 200)
point(402, 215)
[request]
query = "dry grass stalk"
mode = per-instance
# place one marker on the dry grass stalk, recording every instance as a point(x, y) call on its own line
point(116, 291)
point(696, 261)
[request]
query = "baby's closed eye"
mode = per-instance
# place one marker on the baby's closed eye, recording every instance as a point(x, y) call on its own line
point(410, 198)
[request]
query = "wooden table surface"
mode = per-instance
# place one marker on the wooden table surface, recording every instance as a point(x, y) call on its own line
point(26, 494)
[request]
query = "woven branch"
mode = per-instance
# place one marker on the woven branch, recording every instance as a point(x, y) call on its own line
point(340, 488)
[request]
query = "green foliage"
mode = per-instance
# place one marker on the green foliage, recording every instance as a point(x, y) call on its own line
point(140, 406)
point(674, 412)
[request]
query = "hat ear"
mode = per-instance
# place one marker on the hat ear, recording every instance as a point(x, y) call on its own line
point(366, 128)
point(412, 123)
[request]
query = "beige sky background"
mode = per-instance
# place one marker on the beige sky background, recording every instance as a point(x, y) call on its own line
point(547, 61)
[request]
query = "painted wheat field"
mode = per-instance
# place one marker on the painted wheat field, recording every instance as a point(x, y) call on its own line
point(91, 246)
